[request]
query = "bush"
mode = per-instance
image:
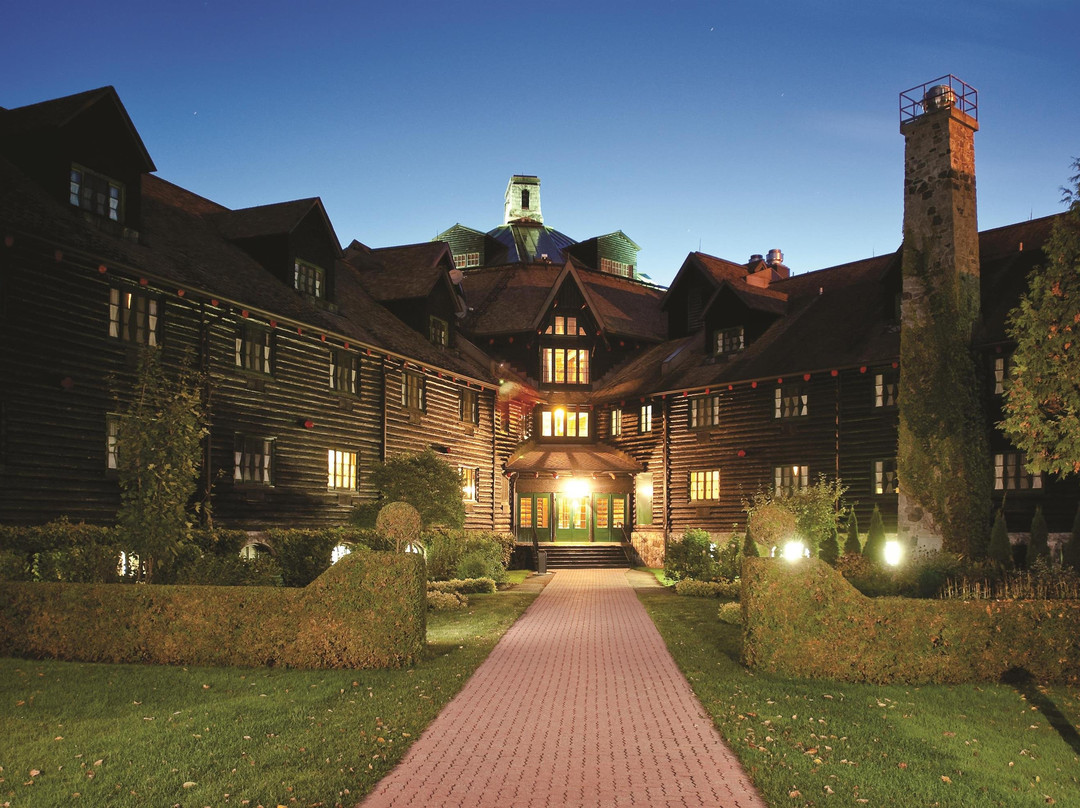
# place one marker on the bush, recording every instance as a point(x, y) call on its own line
point(445, 601)
point(809, 513)
point(730, 613)
point(726, 590)
point(771, 523)
point(446, 548)
point(874, 549)
point(230, 570)
point(481, 563)
point(467, 586)
point(304, 554)
point(692, 556)
point(829, 551)
point(999, 550)
point(750, 545)
point(852, 545)
point(61, 551)
point(1038, 544)
point(922, 576)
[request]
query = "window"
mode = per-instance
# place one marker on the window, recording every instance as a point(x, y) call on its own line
point(704, 411)
point(1010, 475)
point(96, 193)
point(438, 331)
point(886, 385)
point(133, 316)
point(789, 479)
point(885, 481)
point(413, 388)
point(468, 483)
point(564, 326)
point(342, 470)
point(253, 348)
point(565, 365)
point(253, 460)
point(309, 279)
point(643, 498)
point(112, 441)
point(704, 485)
point(469, 406)
point(533, 511)
point(645, 419)
point(729, 340)
point(790, 401)
point(616, 267)
point(525, 199)
point(1002, 366)
point(466, 260)
point(563, 422)
point(344, 371)
point(616, 422)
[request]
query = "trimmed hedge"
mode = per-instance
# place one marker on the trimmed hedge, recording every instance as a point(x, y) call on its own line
point(464, 586)
point(445, 601)
point(726, 590)
point(805, 620)
point(367, 611)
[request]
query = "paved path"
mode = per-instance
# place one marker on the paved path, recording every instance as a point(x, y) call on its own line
point(579, 704)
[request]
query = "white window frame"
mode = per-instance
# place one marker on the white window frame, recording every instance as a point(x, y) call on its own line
point(704, 411)
point(309, 278)
point(253, 460)
point(616, 422)
point(791, 401)
point(790, 478)
point(645, 419)
point(1010, 474)
point(342, 466)
point(134, 315)
point(704, 485)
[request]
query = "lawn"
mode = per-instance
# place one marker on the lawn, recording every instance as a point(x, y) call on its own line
point(807, 742)
point(131, 735)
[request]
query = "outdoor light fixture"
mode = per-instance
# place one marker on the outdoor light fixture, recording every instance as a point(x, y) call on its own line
point(794, 550)
point(576, 488)
point(894, 552)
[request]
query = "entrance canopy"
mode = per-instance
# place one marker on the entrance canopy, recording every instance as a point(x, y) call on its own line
point(570, 458)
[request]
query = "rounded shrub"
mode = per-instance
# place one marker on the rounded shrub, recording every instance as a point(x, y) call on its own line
point(445, 601)
point(730, 613)
point(692, 556)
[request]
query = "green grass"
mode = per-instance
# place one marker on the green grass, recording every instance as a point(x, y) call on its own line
point(130, 735)
point(807, 742)
point(514, 577)
point(659, 573)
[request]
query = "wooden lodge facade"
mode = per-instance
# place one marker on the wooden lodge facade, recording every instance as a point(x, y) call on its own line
point(578, 402)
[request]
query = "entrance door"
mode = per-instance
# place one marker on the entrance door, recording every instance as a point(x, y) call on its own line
point(534, 515)
point(609, 516)
point(571, 518)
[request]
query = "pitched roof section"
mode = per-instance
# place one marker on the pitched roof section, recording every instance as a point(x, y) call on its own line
point(595, 458)
point(401, 273)
point(280, 218)
point(526, 242)
point(58, 113)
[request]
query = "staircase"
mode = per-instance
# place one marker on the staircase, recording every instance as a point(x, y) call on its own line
point(599, 556)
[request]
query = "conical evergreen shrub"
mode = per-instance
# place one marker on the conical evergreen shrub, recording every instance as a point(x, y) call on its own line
point(1000, 550)
point(1038, 544)
point(749, 548)
point(852, 545)
point(829, 551)
point(1071, 555)
point(875, 538)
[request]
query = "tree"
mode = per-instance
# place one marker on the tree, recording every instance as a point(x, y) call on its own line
point(159, 453)
point(1038, 543)
point(1042, 399)
point(829, 552)
point(425, 481)
point(852, 545)
point(750, 548)
point(1000, 549)
point(875, 538)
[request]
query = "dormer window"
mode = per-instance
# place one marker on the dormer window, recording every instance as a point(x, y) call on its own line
point(309, 279)
point(466, 260)
point(729, 340)
point(438, 331)
point(564, 422)
point(613, 267)
point(563, 326)
point(96, 193)
point(565, 365)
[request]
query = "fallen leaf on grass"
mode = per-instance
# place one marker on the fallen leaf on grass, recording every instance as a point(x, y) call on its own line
point(945, 778)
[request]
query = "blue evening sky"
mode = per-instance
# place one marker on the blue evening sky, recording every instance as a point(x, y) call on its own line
point(733, 128)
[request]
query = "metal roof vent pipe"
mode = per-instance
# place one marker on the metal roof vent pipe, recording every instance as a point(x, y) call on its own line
point(775, 257)
point(756, 257)
point(940, 96)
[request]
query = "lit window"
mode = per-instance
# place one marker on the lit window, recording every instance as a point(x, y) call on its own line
point(729, 340)
point(643, 498)
point(253, 348)
point(790, 401)
point(96, 193)
point(704, 411)
point(468, 483)
point(789, 479)
point(645, 418)
point(885, 481)
point(309, 279)
point(704, 485)
point(469, 406)
point(413, 389)
point(616, 422)
point(1010, 474)
point(564, 326)
point(344, 370)
point(885, 389)
point(254, 551)
point(342, 470)
point(1001, 373)
point(466, 260)
point(525, 515)
point(564, 423)
point(133, 316)
point(438, 331)
point(565, 365)
point(253, 460)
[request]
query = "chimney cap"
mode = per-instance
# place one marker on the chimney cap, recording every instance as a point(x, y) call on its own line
point(944, 92)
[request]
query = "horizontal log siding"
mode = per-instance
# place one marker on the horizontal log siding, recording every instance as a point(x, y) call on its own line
point(468, 445)
point(647, 448)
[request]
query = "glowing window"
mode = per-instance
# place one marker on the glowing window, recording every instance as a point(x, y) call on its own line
point(341, 470)
point(704, 485)
point(704, 411)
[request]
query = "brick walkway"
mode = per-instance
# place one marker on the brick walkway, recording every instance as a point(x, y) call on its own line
point(579, 704)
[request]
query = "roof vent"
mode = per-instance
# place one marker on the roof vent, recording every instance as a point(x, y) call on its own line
point(940, 96)
point(775, 257)
point(756, 257)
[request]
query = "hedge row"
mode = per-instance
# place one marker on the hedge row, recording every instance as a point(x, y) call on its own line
point(464, 586)
point(367, 611)
point(804, 619)
point(725, 590)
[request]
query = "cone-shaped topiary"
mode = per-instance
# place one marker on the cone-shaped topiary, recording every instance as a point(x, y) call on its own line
point(1000, 550)
point(749, 548)
point(852, 546)
point(875, 538)
point(829, 551)
point(1038, 544)
point(1070, 557)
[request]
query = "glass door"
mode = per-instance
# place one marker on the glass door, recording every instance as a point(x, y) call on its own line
point(534, 517)
point(609, 516)
point(571, 518)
